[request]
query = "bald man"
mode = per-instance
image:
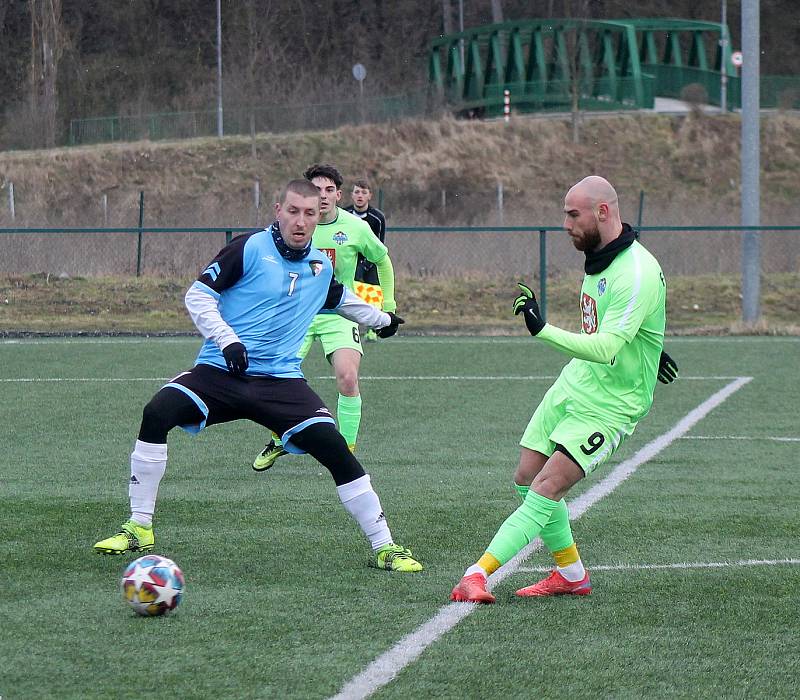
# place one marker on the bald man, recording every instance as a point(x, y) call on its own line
point(598, 398)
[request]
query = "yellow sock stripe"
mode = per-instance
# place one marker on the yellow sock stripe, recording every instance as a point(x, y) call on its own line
point(568, 555)
point(488, 563)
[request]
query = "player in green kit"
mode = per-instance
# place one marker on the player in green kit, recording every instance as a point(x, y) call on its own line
point(598, 398)
point(342, 237)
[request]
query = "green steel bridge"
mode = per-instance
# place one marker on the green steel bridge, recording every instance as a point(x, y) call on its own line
point(567, 64)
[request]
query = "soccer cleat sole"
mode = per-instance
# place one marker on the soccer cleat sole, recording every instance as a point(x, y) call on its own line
point(526, 593)
point(480, 599)
point(114, 552)
point(555, 585)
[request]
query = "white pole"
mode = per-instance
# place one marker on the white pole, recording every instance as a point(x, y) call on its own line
point(500, 203)
point(105, 209)
point(751, 162)
point(257, 199)
point(11, 200)
point(723, 86)
point(219, 70)
point(506, 105)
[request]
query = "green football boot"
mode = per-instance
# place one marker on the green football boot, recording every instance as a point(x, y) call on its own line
point(266, 458)
point(132, 537)
point(395, 557)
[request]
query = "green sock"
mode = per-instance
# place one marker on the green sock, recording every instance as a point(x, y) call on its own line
point(276, 439)
point(521, 527)
point(557, 534)
point(348, 415)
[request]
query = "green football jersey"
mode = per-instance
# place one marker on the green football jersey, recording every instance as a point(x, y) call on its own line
point(627, 299)
point(342, 240)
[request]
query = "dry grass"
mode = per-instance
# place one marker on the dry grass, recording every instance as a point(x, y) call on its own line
point(687, 165)
point(707, 305)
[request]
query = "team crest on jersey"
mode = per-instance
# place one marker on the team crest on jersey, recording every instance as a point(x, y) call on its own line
point(331, 253)
point(339, 237)
point(601, 287)
point(316, 267)
point(588, 314)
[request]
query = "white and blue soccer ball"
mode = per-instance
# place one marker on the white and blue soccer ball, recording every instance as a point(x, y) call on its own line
point(152, 585)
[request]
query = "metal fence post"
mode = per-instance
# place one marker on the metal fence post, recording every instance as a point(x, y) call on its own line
point(228, 237)
point(641, 210)
point(139, 237)
point(543, 272)
point(499, 203)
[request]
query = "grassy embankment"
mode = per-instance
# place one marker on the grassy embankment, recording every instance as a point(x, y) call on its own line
point(697, 305)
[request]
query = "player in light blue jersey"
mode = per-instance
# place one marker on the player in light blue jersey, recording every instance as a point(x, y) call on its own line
point(253, 304)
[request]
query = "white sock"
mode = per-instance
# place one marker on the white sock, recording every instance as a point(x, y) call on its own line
point(148, 464)
point(574, 572)
point(475, 569)
point(359, 499)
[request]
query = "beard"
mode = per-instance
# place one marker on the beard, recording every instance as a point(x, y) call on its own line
point(589, 241)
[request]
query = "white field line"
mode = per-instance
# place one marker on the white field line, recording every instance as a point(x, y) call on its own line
point(740, 437)
point(679, 565)
point(475, 378)
point(385, 668)
point(432, 339)
point(447, 378)
point(47, 380)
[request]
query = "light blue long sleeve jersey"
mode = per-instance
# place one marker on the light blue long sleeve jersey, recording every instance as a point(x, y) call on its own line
point(250, 293)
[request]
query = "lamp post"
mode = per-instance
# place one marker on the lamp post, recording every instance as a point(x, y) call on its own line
point(219, 69)
point(751, 162)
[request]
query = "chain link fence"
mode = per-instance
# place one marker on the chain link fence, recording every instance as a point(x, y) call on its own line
point(252, 120)
point(416, 252)
point(446, 232)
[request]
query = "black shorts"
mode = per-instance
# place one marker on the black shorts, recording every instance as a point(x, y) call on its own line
point(285, 406)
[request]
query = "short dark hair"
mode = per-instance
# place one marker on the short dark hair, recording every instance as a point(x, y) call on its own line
point(302, 187)
point(324, 170)
point(363, 184)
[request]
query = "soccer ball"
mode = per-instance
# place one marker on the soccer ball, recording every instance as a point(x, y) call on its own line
point(152, 585)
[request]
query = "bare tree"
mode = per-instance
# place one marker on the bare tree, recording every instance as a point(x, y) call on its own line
point(47, 45)
point(576, 77)
point(497, 11)
point(256, 36)
point(447, 17)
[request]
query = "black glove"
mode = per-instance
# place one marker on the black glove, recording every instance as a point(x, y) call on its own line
point(667, 369)
point(236, 359)
point(391, 329)
point(526, 302)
